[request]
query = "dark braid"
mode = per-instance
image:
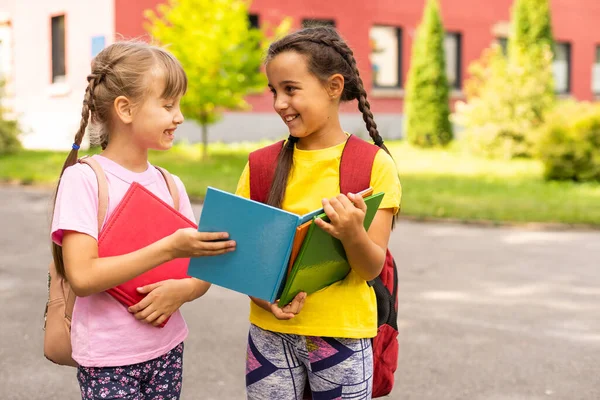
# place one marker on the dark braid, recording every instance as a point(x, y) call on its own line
point(327, 54)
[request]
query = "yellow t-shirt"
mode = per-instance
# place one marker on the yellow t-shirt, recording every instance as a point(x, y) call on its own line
point(346, 308)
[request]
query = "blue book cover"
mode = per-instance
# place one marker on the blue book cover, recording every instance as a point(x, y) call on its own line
point(263, 235)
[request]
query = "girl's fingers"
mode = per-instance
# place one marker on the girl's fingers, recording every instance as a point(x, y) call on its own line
point(211, 236)
point(327, 227)
point(337, 204)
point(330, 211)
point(358, 201)
point(212, 253)
point(152, 317)
point(160, 320)
point(346, 202)
point(141, 315)
point(217, 246)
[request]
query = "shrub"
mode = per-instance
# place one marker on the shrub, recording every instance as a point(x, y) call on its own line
point(569, 143)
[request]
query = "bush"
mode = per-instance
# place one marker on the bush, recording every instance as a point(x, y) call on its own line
point(569, 143)
point(9, 130)
point(508, 96)
point(506, 102)
point(9, 136)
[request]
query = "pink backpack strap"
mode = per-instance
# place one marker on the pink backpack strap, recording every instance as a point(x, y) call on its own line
point(262, 164)
point(102, 188)
point(173, 190)
point(356, 165)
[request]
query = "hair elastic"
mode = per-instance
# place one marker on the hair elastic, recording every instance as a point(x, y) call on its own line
point(75, 146)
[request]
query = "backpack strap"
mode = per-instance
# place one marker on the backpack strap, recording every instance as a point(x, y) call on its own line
point(262, 163)
point(173, 190)
point(102, 188)
point(356, 165)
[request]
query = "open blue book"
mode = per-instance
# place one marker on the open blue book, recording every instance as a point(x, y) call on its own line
point(265, 238)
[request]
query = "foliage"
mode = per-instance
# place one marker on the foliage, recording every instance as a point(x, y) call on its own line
point(569, 144)
point(219, 50)
point(427, 111)
point(508, 96)
point(506, 102)
point(9, 129)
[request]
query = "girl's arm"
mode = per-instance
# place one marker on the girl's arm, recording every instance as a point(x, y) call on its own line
point(88, 274)
point(365, 250)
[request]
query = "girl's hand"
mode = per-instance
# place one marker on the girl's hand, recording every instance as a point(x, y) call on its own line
point(188, 242)
point(346, 216)
point(163, 299)
point(289, 311)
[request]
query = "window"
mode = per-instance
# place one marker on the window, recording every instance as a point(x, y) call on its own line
point(309, 23)
point(503, 43)
point(58, 48)
point(596, 73)
point(386, 56)
point(452, 48)
point(561, 66)
point(253, 18)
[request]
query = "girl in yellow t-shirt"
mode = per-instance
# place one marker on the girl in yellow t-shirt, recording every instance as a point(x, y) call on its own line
point(324, 337)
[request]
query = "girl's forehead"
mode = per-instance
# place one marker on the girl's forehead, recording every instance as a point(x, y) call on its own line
point(156, 86)
point(288, 65)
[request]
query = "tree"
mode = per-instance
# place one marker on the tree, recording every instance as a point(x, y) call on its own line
point(9, 128)
point(531, 36)
point(427, 110)
point(531, 25)
point(508, 96)
point(219, 50)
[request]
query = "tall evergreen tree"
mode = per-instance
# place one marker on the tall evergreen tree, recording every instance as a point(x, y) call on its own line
point(531, 25)
point(426, 108)
point(531, 36)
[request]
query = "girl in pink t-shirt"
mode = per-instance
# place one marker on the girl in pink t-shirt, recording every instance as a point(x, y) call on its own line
point(132, 102)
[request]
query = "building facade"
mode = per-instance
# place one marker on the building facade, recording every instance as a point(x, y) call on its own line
point(46, 49)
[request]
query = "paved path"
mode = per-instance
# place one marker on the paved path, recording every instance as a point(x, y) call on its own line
point(485, 314)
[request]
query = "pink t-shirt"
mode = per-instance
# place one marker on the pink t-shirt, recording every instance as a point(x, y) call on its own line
point(103, 332)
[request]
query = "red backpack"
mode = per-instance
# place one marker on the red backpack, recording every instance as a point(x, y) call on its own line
point(355, 175)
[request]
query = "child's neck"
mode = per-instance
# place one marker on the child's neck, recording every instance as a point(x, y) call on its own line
point(322, 139)
point(128, 155)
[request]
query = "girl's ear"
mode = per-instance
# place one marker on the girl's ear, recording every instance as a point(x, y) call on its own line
point(124, 109)
point(335, 86)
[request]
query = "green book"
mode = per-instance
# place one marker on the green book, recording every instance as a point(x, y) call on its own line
point(322, 258)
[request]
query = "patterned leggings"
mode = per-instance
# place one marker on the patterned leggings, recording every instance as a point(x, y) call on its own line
point(157, 379)
point(278, 365)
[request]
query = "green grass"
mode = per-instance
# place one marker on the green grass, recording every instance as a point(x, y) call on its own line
point(436, 183)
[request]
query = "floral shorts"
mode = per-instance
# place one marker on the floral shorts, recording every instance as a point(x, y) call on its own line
point(157, 379)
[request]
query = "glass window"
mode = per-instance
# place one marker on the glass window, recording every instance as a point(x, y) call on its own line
point(58, 48)
point(386, 56)
point(596, 73)
point(561, 67)
point(452, 48)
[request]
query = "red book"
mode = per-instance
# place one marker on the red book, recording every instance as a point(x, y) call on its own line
point(140, 219)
